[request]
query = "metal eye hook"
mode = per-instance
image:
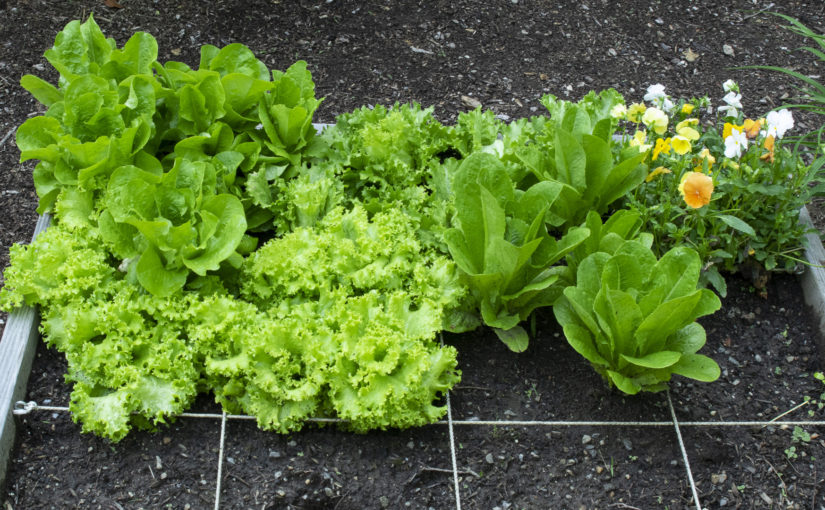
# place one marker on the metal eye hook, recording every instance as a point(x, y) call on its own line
point(21, 408)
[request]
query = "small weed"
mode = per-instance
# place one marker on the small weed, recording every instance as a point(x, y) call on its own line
point(799, 435)
point(532, 393)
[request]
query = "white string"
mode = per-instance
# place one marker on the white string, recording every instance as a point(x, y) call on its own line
point(452, 446)
point(684, 453)
point(220, 463)
point(22, 408)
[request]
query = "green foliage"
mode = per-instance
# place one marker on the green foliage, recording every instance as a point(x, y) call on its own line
point(502, 245)
point(632, 316)
point(162, 178)
point(130, 359)
point(374, 236)
point(581, 157)
point(170, 224)
point(623, 225)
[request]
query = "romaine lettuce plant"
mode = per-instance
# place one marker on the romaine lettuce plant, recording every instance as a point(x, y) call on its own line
point(576, 148)
point(633, 316)
point(502, 246)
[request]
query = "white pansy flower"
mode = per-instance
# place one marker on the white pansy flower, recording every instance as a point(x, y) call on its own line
point(735, 143)
point(655, 92)
point(730, 86)
point(733, 103)
point(657, 97)
point(779, 122)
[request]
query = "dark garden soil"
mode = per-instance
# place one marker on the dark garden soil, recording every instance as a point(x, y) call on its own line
point(452, 55)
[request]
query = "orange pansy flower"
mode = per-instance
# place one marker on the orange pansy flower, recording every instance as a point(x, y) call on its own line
point(768, 156)
point(752, 127)
point(696, 188)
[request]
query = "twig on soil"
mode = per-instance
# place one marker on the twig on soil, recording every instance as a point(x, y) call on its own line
point(622, 505)
point(340, 500)
point(240, 480)
point(778, 474)
point(442, 470)
point(790, 410)
point(11, 131)
point(760, 11)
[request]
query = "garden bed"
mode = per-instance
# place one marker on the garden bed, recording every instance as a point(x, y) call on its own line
point(587, 452)
point(530, 430)
point(538, 429)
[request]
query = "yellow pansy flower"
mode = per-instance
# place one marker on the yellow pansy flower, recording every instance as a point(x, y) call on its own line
point(752, 127)
point(728, 128)
point(656, 120)
point(635, 111)
point(662, 145)
point(657, 171)
point(680, 145)
point(638, 140)
point(687, 108)
point(704, 155)
point(685, 128)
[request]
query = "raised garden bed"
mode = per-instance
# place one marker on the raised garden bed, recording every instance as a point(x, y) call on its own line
point(528, 432)
point(505, 465)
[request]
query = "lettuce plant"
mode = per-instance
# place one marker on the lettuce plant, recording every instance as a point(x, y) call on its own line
point(576, 149)
point(502, 246)
point(633, 316)
point(607, 236)
point(166, 225)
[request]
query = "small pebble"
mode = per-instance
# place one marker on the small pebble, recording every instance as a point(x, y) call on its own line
point(727, 49)
point(489, 458)
point(718, 479)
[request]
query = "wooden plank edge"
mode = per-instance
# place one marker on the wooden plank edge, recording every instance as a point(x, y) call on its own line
point(813, 280)
point(17, 348)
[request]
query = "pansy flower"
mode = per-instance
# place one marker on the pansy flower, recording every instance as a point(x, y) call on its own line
point(656, 120)
point(752, 127)
point(733, 103)
point(657, 171)
point(779, 122)
point(735, 144)
point(704, 155)
point(662, 145)
point(680, 145)
point(696, 188)
point(635, 112)
point(686, 129)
